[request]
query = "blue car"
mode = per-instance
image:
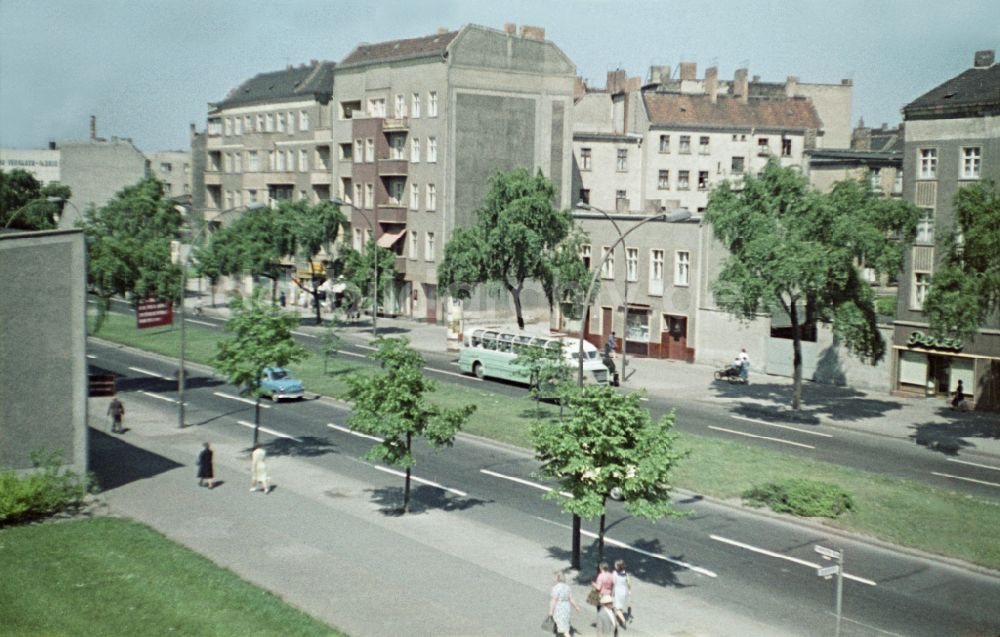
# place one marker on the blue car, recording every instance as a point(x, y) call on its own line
point(278, 384)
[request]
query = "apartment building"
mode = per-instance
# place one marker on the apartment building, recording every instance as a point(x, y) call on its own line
point(951, 140)
point(173, 168)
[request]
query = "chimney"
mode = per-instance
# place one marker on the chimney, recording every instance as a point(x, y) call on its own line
point(509, 28)
point(983, 59)
point(791, 86)
point(689, 71)
point(93, 127)
point(658, 74)
point(741, 89)
point(616, 81)
point(712, 83)
point(52, 144)
point(579, 88)
point(532, 33)
point(442, 30)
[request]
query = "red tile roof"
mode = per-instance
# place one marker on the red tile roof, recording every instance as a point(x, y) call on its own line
point(400, 49)
point(698, 110)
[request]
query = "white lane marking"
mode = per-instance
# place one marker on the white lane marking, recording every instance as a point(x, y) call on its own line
point(813, 565)
point(304, 334)
point(277, 434)
point(644, 399)
point(421, 480)
point(149, 373)
point(774, 424)
point(353, 433)
point(152, 395)
point(948, 475)
point(527, 483)
point(608, 540)
point(743, 433)
point(354, 354)
point(366, 347)
point(441, 371)
point(197, 322)
point(91, 356)
point(973, 464)
point(241, 399)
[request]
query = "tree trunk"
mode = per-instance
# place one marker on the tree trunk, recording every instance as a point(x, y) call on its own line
point(274, 291)
point(516, 295)
point(600, 540)
point(796, 358)
point(574, 560)
point(315, 293)
point(256, 421)
point(406, 487)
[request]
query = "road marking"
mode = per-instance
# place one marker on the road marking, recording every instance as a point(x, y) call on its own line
point(149, 373)
point(421, 480)
point(353, 433)
point(974, 464)
point(241, 399)
point(644, 399)
point(197, 322)
point(366, 347)
point(354, 354)
point(948, 475)
point(743, 433)
point(304, 334)
point(527, 483)
point(812, 565)
point(91, 356)
point(277, 434)
point(441, 371)
point(152, 395)
point(773, 424)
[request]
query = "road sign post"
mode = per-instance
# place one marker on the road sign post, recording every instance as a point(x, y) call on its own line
point(828, 571)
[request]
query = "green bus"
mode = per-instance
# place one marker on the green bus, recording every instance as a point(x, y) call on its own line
point(490, 353)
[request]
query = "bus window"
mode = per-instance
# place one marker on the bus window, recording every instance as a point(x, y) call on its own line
point(490, 341)
point(504, 345)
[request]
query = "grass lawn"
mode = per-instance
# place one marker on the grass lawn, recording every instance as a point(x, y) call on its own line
point(110, 576)
point(891, 509)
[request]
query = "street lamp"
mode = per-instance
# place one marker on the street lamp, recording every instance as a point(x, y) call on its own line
point(680, 214)
point(337, 201)
point(184, 268)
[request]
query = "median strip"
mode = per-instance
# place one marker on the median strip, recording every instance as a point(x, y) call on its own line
point(788, 558)
point(749, 435)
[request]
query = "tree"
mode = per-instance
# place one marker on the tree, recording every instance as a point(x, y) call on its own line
point(516, 237)
point(24, 202)
point(358, 271)
point(610, 442)
point(391, 404)
point(965, 289)
point(547, 370)
point(262, 337)
point(330, 342)
point(796, 251)
point(129, 246)
point(313, 230)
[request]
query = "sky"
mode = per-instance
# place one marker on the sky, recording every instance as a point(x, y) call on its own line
point(148, 68)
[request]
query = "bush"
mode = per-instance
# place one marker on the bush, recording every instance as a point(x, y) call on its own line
point(805, 498)
point(50, 489)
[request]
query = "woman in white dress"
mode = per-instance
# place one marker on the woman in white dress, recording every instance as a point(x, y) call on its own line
point(258, 469)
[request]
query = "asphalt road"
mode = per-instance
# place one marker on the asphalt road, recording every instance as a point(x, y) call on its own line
point(756, 565)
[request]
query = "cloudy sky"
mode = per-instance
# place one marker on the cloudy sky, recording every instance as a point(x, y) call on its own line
point(148, 68)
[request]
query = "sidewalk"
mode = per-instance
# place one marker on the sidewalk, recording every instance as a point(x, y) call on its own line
point(322, 541)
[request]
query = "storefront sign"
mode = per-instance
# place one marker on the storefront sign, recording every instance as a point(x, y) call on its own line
point(920, 339)
point(153, 313)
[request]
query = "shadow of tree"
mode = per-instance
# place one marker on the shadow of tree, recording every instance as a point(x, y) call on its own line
point(951, 437)
point(835, 403)
point(641, 565)
point(423, 498)
point(305, 447)
point(115, 462)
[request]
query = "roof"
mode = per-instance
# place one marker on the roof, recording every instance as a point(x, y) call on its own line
point(974, 91)
point(728, 112)
point(840, 157)
point(428, 45)
point(312, 80)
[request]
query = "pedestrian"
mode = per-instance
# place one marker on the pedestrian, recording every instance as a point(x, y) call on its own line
point(281, 299)
point(611, 344)
point(959, 402)
point(744, 366)
point(117, 412)
point(604, 583)
point(606, 622)
point(561, 604)
point(258, 469)
point(622, 593)
point(206, 477)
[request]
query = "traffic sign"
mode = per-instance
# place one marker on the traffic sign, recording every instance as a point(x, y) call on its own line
point(825, 552)
point(828, 571)
point(153, 313)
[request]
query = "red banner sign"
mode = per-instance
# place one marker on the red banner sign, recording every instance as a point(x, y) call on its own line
point(153, 313)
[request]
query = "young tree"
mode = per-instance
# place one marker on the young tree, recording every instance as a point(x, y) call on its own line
point(609, 442)
point(547, 370)
point(797, 251)
point(358, 270)
point(330, 342)
point(262, 337)
point(313, 230)
point(24, 201)
point(965, 289)
point(129, 246)
point(391, 404)
point(516, 237)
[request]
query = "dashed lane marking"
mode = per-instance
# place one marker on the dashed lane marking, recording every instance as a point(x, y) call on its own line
point(353, 433)
point(241, 399)
point(197, 322)
point(421, 480)
point(91, 356)
point(304, 334)
point(355, 354)
point(527, 483)
point(149, 373)
point(749, 435)
point(789, 558)
point(774, 424)
point(152, 395)
point(973, 464)
point(948, 475)
point(273, 432)
point(462, 376)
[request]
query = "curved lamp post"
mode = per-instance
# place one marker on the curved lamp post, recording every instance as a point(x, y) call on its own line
point(53, 199)
point(681, 214)
point(337, 201)
point(181, 375)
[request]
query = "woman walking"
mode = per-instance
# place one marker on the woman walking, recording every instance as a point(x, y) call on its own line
point(622, 592)
point(561, 604)
point(206, 477)
point(604, 583)
point(258, 469)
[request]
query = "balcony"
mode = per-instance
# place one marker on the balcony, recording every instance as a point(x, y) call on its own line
point(317, 177)
point(393, 167)
point(390, 213)
point(395, 124)
point(400, 265)
point(213, 178)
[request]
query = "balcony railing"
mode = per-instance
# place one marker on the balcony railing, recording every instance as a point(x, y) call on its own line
point(393, 167)
point(396, 124)
point(391, 213)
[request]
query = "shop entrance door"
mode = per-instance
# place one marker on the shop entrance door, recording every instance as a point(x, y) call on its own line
point(938, 373)
point(673, 341)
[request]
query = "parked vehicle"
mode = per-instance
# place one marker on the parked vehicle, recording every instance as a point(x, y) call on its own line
point(279, 384)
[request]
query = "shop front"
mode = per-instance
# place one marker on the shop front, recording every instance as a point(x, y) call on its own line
point(930, 366)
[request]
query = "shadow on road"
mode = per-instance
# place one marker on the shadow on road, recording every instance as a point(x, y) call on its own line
point(647, 568)
point(305, 447)
point(115, 462)
point(422, 499)
point(958, 433)
point(836, 403)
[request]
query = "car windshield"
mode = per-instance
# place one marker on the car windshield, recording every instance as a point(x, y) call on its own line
point(278, 374)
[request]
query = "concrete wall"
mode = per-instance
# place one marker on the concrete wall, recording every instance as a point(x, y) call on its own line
point(833, 105)
point(96, 170)
point(173, 167)
point(43, 396)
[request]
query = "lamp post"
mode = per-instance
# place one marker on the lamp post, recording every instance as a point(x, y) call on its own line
point(181, 375)
point(53, 199)
point(337, 201)
point(680, 214)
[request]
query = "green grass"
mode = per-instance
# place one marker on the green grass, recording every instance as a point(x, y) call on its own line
point(891, 509)
point(110, 576)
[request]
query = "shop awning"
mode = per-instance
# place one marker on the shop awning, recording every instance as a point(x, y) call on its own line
point(389, 239)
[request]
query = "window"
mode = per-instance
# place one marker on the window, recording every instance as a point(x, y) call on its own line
point(238, 198)
point(227, 161)
point(359, 151)
point(431, 197)
point(632, 264)
point(656, 272)
point(396, 192)
point(682, 268)
point(429, 246)
point(253, 163)
point(400, 105)
point(972, 159)
point(415, 105)
point(238, 126)
point(621, 201)
point(786, 147)
point(608, 263)
point(356, 241)
point(897, 186)
point(348, 109)
point(252, 196)
point(279, 163)
point(432, 104)
point(432, 150)
point(584, 159)
point(683, 180)
point(622, 162)
point(248, 124)
point(413, 244)
point(291, 160)
point(703, 145)
point(685, 146)
point(415, 150)
point(736, 166)
point(238, 162)
point(663, 182)
point(229, 127)
point(925, 226)
point(585, 255)
point(269, 122)
point(345, 152)
point(397, 147)
point(369, 195)
point(585, 195)
point(229, 199)
point(875, 178)
point(928, 163)
point(260, 122)
point(304, 159)
point(414, 197)
point(702, 180)
point(281, 122)
point(303, 120)
point(369, 150)
point(357, 195)
point(921, 285)
point(376, 107)
point(664, 143)
point(763, 146)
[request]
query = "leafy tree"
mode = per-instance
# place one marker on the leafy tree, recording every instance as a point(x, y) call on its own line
point(610, 442)
point(262, 337)
point(358, 271)
point(24, 202)
point(797, 251)
point(391, 404)
point(330, 342)
point(516, 237)
point(313, 230)
point(129, 246)
point(965, 289)
point(546, 369)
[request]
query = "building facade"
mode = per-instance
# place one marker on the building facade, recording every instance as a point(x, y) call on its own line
point(173, 168)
